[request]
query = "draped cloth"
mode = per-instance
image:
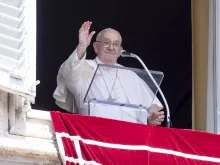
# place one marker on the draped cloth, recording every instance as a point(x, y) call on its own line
point(94, 140)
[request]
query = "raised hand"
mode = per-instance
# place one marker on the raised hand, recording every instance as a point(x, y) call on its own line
point(84, 38)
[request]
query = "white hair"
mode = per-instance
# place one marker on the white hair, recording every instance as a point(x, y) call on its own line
point(99, 35)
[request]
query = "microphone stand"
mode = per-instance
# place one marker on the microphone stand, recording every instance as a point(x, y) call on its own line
point(126, 54)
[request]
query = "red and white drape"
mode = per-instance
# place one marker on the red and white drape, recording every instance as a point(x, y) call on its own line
point(92, 140)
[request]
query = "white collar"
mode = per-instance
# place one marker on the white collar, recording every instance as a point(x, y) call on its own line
point(100, 62)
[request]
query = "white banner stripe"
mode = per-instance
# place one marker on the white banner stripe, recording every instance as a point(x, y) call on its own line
point(61, 148)
point(140, 147)
point(71, 159)
point(78, 151)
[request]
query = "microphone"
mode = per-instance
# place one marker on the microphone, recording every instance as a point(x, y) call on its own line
point(128, 54)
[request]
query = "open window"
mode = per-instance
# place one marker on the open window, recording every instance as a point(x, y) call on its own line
point(18, 47)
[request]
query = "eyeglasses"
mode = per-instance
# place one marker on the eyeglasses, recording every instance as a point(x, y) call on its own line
point(107, 43)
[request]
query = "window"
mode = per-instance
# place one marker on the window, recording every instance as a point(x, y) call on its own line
point(18, 47)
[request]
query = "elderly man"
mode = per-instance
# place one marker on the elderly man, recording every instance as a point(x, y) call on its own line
point(73, 80)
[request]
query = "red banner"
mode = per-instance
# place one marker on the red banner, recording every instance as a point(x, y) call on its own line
point(94, 140)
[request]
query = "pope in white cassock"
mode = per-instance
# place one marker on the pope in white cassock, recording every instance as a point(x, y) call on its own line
point(75, 75)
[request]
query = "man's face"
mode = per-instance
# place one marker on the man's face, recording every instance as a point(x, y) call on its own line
point(109, 47)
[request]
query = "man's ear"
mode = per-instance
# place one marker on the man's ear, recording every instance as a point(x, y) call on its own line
point(121, 48)
point(95, 47)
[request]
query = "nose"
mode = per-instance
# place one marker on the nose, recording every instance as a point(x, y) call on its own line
point(111, 47)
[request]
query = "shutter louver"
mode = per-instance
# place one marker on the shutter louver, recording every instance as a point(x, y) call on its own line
point(18, 47)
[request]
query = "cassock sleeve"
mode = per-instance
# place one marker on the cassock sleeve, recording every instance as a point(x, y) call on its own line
point(68, 80)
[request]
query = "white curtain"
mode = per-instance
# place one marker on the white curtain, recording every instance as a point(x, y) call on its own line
point(213, 84)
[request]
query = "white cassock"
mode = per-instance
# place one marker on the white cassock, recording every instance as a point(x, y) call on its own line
point(74, 78)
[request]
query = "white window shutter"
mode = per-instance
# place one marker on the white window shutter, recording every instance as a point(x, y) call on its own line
point(18, 47)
